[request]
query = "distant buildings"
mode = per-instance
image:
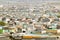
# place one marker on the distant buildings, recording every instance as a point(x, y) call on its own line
point(29, 18)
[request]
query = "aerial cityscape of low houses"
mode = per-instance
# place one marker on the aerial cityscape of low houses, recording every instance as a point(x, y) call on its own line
point(24, 18)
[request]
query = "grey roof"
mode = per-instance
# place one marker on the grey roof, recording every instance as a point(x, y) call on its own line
point(45, 20)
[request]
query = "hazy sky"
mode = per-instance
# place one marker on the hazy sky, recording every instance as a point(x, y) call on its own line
point(25, 1)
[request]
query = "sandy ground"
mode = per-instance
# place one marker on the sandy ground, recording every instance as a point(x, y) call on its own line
point(4, 38)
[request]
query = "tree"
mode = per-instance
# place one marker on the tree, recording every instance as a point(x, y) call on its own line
point(58, 16)
point(2, 23)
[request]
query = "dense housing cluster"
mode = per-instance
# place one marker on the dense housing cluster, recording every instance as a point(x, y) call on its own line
point(29, 19)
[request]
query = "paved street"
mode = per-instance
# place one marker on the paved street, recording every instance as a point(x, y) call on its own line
point(5, 38)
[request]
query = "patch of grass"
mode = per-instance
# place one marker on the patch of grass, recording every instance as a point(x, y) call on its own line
point(1, 31)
